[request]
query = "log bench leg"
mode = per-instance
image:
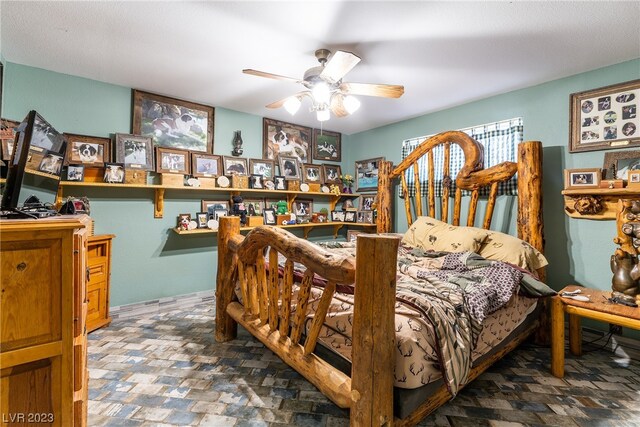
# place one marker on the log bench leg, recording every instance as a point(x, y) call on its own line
point(575, 335)
point(557, 337)
point(226, 327)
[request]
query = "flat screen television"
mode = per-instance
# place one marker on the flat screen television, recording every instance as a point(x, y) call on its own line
point(35, 166)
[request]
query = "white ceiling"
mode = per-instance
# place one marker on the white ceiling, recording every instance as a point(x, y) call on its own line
point(444, 53)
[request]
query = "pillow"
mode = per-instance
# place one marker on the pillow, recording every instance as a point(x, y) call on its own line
point(503, 247)
point(430, 234)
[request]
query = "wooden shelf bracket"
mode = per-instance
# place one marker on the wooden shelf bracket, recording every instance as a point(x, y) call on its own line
point(158, 210)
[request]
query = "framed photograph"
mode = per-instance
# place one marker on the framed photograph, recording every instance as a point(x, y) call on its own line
point(269, 216)
point(114, 173)
point(219, 213)
point(285, 139)
point(367, 201)
point(183, 219)
point(618, 163)
point(205, 165)
point(75, 173)
point(350, 216)
point(289, 167)
point(332, 174)
point(254, 206)
point(581, 178)
point(302, 207)
point(211, 206)
point(367, 174)
point(364, 217)
point(605, 118)
point(327, 145)
point(173, 123)
point(51, 163)
point(312, 173)
point(88, 150)
point(135, 151)
point(256, 182)
point(202, 218)
point(171, 160)
point(266, 168)
point(634, 179)
point(352, 235)
point(280, 182)
point(337, 216)
point(7, 137)
point(234, 165)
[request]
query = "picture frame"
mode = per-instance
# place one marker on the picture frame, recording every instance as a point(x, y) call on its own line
point(264, 167)
point(210, 206)
point(605, 118)
point(181, 218)
point(135, 151)
point(7, 137)
point(302, 207)
point(332, 174)
point(575, 179)
point(256, 182)
point(269, 216)
point(366, 175)
point(285, 139)
point(114, 173)
point(75, 173)
point(350, 216)
point(173, 123)
point(364, 217)
point(87, 150)
point(618, 163)
point(312, 173)
point(254, 206)
point(219, 213)
point(173, 160)
point(202, 218)
point(352, 235)
point(634, 179)
point(280, 183)
point(51, 163)
point(205, 165)
point(367, 201)
point(327, 145)
point(234, 165)
point(289, 167)
point(337, 216)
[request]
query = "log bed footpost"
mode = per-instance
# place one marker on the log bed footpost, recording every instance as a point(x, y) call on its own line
point(226, 327)
point(385, 197)
point(373, 351)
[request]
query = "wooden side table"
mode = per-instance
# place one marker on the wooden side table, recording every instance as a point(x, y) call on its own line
point(598, 309)
point(99, 281)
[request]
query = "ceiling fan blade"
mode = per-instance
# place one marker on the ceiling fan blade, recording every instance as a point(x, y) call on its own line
point(337, 105)
point(269, 75)
point(281, 102)
point(371, 89)
point(339, 65)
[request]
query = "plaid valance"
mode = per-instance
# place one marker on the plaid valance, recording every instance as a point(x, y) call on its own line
point(500, 141)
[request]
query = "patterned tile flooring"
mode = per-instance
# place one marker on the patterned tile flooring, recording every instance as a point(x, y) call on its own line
point(167, 369)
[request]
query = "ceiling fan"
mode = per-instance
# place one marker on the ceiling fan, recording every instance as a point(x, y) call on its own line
point(326, 89)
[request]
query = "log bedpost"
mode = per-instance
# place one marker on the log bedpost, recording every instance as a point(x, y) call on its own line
point(530, 222)
point(373, 351)
point(385, 197)
point(226, 327)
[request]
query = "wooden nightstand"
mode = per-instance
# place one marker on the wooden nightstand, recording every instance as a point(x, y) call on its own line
point(598, 309)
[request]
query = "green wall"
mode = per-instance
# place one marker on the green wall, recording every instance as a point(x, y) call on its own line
point(578, 250)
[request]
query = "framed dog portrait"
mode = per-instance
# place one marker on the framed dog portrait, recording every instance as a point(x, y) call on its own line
point(75, 173)
point(171, 160)
point(87, 150)
point(302, 207)
point(173, 123)
point(289, 167)
point(280, 183)
point(211, 206)
point(575, 179)
point(327, 145)
point(312, 173)
point(135, 151)
point(364, 217)
point(366, 202)
point(269, 217)
point(285, 139)
point(350, 216)
point(235, 165)
point(337, 216)
point(332, 174)
point(617, 164)
point(7, 136)
point(205, 165)
point(114, 173)
point(255, 181)
point(263, 167)
point(254, 206)
point(605, 118)
point(51, 163)
point(367, 174)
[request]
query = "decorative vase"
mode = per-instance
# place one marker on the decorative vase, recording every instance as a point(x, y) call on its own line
point(347, 190)
point(237, 144)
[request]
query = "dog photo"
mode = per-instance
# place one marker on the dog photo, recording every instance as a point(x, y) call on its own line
point(303, 207)
point(262, 167)
point(312, 173)
point(75, 173)
point(366, 202)
point(51, 163)
point(256, 182)
point(289, 167)
point(254, 206)
point(235, 166)
point(205, 165)
point(285, 139)
point(171, 160)
point(332, 174)
point(327, 145)
point(87, 150)
point(280, 182)
point(114, 173)
point(210, 207)
point(135, 151)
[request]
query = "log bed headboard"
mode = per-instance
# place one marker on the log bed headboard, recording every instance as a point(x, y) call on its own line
point(471, 177)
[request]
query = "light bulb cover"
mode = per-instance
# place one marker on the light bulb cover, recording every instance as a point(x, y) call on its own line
point(323, 115)
point(321, 93)
point(351, 104)
point(292, 105)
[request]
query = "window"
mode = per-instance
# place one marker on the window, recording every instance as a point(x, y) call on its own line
point(500, 142)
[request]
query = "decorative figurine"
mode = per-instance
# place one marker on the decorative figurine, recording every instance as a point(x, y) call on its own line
point(239, 209)
point(237, 144)
point(624, 262)
point(281, 207)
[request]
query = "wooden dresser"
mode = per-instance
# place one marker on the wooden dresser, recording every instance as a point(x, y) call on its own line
point(43, 338)
point(99, 281)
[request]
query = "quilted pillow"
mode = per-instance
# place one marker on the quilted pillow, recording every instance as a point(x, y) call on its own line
point(503, 247)
point(430, 234)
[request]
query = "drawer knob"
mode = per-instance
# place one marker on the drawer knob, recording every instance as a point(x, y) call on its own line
point(22, 266)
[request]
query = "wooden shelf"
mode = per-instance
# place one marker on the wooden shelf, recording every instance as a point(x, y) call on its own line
point(306, 228)
point(607, 197)
point(161, 189)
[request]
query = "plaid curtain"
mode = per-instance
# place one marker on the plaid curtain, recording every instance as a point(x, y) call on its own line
point(500, 141)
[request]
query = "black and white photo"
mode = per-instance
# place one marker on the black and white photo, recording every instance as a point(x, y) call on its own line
point(114, 173)
point(280, 182)
point(51, 163)
point(75, 173)
point(172, 160)
point(135, 151)
point(270, 217)
point(256, 182)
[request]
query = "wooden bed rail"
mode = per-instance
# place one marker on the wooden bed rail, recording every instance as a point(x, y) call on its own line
point(267, 308)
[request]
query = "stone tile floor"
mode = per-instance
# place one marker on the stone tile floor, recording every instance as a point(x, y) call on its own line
point(167, 369)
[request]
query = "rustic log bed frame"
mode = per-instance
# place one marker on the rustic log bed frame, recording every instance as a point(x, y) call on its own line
point(368, 392)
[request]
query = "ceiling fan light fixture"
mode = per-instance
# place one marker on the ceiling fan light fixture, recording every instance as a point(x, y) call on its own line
point(351, 104)
point(321, 93)
point(323, 115)
point(292, 105)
